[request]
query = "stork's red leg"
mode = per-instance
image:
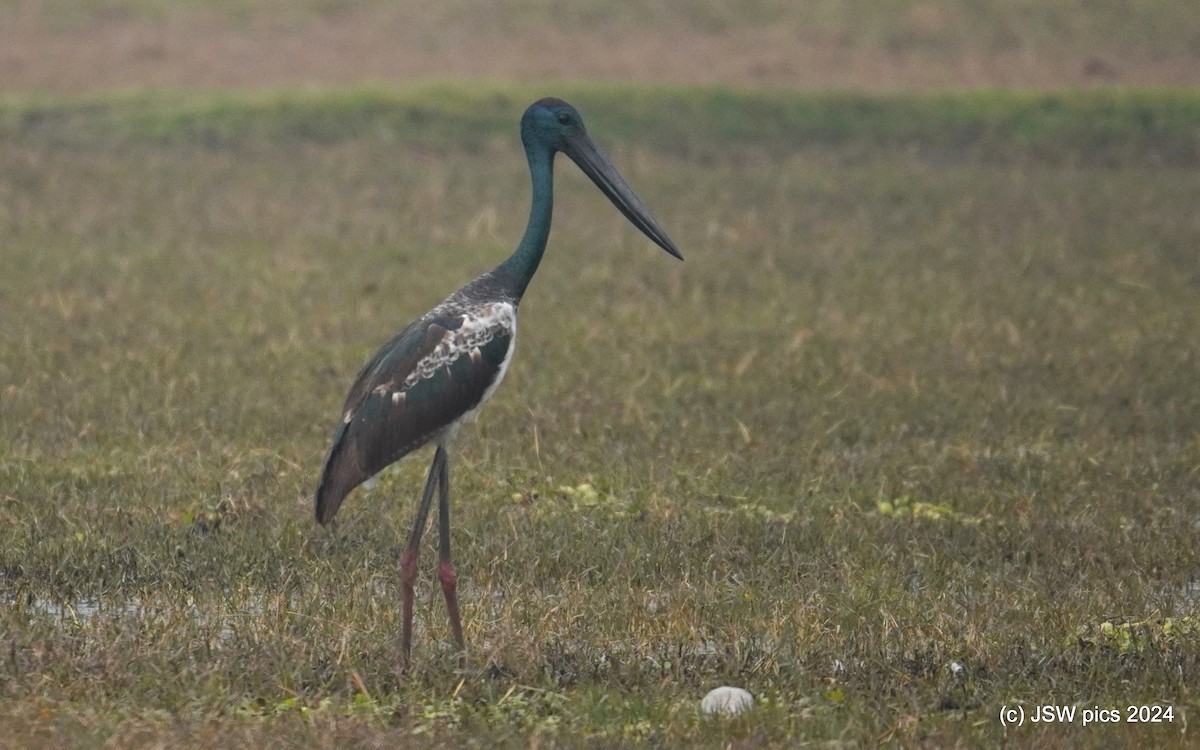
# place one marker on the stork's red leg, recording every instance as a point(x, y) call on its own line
point(445, 568)
point(408, 559)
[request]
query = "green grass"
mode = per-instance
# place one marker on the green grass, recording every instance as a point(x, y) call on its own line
point(1094, 126)
point(902, 407)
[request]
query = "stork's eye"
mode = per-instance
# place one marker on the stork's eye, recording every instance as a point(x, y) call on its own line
point(564, 118)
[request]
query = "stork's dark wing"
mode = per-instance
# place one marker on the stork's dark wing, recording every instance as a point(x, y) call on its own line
point(428, 376)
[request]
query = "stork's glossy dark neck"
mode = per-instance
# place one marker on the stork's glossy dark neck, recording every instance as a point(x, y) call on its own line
point(523, 263)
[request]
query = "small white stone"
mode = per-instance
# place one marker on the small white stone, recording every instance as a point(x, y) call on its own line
point(726, 700)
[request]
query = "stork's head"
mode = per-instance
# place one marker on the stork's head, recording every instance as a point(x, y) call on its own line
point(551, 125)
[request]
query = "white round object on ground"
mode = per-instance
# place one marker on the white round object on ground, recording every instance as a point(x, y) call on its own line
point(726, 700)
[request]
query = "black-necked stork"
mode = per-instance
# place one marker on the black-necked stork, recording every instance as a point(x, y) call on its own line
point(436, 373)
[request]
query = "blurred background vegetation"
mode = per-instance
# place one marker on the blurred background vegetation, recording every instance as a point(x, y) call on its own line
point(67, 45)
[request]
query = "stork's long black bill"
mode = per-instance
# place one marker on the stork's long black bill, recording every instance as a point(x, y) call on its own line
point(596, 165)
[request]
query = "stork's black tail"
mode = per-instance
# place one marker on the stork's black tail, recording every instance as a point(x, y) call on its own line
point(339, 475)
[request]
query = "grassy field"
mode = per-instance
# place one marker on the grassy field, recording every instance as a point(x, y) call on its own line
point(910, 437)
point(1107, 126)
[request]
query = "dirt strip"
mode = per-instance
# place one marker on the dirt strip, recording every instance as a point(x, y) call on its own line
point(374, 46)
